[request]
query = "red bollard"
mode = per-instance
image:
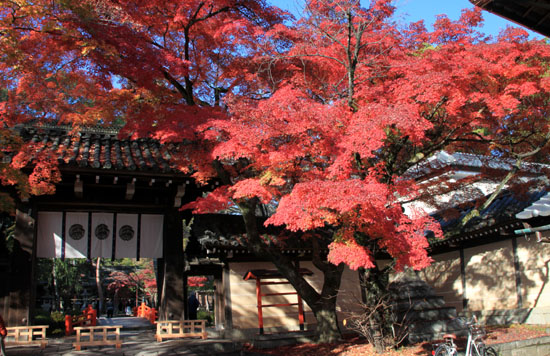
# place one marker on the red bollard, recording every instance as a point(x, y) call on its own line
point(91, 315)
point(68, 325)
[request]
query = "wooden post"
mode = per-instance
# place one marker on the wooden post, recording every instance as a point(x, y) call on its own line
point(259, 299)
point(173, 301)
point(300, 312)
point(17, 289)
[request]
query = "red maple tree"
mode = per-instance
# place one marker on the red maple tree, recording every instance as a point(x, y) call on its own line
point(194, 281)
point(143, 280)
point(353, 105)
point(322, 117)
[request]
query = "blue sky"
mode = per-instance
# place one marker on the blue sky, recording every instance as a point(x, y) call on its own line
point(414, 10)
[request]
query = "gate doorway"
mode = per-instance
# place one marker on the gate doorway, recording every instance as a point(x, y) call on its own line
point(112, 287)
point(205, 296)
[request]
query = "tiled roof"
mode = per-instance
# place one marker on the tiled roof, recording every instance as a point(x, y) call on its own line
point(467, 161)
point(540, 207)
point(501, 211)
point(101, 148)
point(223, 232)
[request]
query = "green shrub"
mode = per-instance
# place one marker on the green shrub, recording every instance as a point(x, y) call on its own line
point(55, 320)
point(43, 319)
point(58, 317)
point(205, 315)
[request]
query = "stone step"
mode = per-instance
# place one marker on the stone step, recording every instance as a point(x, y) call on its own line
point(268, 341)
point(416, 292)
point(419, 303)
point(443, 313)
point(434, 330)
point(415, 283)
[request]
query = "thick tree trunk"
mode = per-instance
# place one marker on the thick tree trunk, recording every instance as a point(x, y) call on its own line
point(375, 282)
point(327, 324)
point(328, 327)
point(322, 304)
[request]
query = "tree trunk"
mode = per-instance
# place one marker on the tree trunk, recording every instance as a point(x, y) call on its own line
point(57, 297)
point(375, 282)
point(328, 327)
point(327, 324)
point(98, 285)
point(322, 304)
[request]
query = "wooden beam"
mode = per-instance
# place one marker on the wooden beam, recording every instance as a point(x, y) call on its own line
point(78, 187)
point(130, 189)
point(179, 194)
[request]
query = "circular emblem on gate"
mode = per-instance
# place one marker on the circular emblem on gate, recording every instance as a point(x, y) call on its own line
point(76, 231)
point(126, 233)
point(102, 231)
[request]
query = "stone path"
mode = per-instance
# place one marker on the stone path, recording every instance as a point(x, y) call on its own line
point(138, 340)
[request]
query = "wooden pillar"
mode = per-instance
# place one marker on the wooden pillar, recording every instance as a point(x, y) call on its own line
point(227, 306)
point(17, 290)
point(160, 281)
point(185, 298)
point(463, 279)
point(173, 303)
point(219, 303)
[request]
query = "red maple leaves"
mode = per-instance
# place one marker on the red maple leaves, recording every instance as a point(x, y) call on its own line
point(196, 281)
point(321, 117)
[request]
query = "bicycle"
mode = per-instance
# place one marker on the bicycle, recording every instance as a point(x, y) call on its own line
point(474, 346)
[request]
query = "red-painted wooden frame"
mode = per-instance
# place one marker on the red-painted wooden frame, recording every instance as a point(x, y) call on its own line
point(258, 275)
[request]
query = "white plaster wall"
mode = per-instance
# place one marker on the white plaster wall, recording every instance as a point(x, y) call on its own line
point(534, 261)
point(444, 276)
point(244, 302)
point(490, 277)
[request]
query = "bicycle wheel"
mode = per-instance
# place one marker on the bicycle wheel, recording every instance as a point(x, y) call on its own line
point(489, 351)
point(445, 350)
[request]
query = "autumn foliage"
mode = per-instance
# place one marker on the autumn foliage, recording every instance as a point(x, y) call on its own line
point(322, 117)
point(140, 282)
point(194, 281)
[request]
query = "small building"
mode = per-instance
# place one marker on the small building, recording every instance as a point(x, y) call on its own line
point(120, 197)
point(483, 266)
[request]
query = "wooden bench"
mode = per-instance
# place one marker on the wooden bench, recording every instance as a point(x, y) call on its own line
point(25, 335)
point(171, 329)
point(97, 336)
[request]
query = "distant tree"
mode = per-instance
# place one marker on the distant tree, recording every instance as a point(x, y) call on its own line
point(141, 280)
point(196, 281)
point(65, 279)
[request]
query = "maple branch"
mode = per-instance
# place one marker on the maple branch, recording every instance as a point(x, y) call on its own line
point(260, 249)
point(320, 29)
point(310, 55)
point(321, 264)
point(194, 16)
point(210, 14)
point(193, 20)
point(352, 62)
point(184, 93)
point(282, 262)
point(519, 159)
point(475, 212)
point(436, 108)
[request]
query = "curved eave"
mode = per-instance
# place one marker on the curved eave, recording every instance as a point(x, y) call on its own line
point(534, 15)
